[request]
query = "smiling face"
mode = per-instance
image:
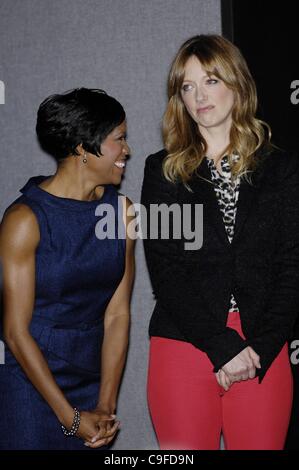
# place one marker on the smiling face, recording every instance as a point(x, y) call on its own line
point(207, 99)
point(110, 166)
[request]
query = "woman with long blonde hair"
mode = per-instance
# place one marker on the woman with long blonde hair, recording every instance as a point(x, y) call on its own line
point(218, 353)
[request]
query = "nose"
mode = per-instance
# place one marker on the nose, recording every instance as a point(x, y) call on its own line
point(201, 94)
point(126, 149)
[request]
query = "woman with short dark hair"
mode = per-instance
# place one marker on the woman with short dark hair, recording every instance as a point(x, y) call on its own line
point(224, 312)
point(66, 286)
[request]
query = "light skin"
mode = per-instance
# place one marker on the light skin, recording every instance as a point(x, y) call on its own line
point(210, 103)
point(19, 239)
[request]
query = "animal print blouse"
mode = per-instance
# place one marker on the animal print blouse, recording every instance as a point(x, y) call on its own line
point(227, 193)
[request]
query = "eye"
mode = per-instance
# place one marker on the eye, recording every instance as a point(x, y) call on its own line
point(122, 138)
point(212, 81)
point(186, 87)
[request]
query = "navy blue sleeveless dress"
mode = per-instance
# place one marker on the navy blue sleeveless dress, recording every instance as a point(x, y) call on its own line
point(76, 275)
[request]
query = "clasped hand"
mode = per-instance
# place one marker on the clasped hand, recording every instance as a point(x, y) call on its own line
point(241, 367)
point(97, 427)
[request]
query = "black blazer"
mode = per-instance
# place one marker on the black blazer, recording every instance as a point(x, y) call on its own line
point(260, 267)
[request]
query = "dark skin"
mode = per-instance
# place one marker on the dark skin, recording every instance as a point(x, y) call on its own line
point(19, 239)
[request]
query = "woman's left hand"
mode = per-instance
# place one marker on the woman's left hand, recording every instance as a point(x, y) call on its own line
point(108, 427)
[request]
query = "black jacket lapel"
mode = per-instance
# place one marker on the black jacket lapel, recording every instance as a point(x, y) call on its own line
point(246, 201)
point(204, 193)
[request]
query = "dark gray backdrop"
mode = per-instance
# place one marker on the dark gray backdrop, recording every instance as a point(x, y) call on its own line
point(124, 47)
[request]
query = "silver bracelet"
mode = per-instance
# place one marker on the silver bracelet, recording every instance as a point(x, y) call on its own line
point(75, 424)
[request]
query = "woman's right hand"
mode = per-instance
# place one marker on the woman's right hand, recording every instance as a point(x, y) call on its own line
point(90, 427)
point(242, 366)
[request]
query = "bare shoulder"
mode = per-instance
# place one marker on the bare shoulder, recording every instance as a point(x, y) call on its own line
point(19, 229)
point(128, 206)
point(129, 215)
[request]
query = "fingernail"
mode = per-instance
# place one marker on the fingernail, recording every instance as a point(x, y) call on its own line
point(93, 439)
point(85, 443)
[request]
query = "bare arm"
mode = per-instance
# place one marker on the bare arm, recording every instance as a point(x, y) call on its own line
point(19, 238)
point(117, 317)
point(115, 344)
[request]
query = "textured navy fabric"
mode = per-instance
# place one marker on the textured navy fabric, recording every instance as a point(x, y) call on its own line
point(76, 276)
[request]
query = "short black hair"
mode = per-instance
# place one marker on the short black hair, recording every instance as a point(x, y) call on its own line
point(80, 116)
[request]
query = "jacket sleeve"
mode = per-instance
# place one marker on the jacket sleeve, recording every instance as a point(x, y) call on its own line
point(175, 288)
point(282, 309)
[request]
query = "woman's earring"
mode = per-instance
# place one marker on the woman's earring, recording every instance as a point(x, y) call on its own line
point(84, 158)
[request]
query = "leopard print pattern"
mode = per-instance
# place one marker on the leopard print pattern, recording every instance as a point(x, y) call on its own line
point(227, 194)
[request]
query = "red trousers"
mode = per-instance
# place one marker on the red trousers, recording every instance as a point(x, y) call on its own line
point(189, 409)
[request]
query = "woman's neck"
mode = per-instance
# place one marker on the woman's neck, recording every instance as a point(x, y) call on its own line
point(72, 184)
point(217, 140)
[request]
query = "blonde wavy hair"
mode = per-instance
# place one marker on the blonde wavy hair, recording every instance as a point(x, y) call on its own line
point(183, 141)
